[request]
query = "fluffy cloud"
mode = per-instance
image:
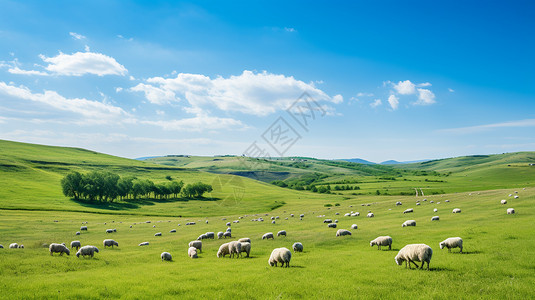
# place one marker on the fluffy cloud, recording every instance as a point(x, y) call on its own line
point(250, 93)
point(76, 36)
point(425, 97)
point(154, 94)
point(393, 101)
point(376, 102)
point(18, 71)
point(405, 87)
point(81, 63)
point(198, 123)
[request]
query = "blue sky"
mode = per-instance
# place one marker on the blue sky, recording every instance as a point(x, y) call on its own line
point(387, 80)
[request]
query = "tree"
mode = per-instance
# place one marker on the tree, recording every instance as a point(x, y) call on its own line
point(72, 185)
point(196, 190)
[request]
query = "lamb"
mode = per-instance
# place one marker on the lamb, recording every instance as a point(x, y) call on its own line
point(332, 225)
point(414, 252)
point(510, 211)
point(268, 235)
point(408, 223)
point(456, 211)
point(342, 232)
point(223, 250)
point(370, 215)
point(354, 226)
point(347, 215)
point(87, 250)
point(382, 241)
point(58, 248)
point(435, 218)
point(210, 235)
point(298, 247)
point(196, 244)
point(144, 244)
point(453, 242)
point(76, 244)
point(503, 201)
point(158, 234)
point(280, 255)
point(408, 210)
point(166, 256)
point(220, 235)
point(244, 240)
point(245, 247)
point(110, 243)
point(282, 232)
point(227, 234)
point(14, 246)
point(192, 252)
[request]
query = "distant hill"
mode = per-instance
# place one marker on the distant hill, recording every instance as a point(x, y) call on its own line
point(146, 157)
point(359, 161)
point(395, 162)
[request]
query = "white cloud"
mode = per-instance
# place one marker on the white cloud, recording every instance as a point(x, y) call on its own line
point(393, 101)
point(337, 99)
point(423, 84)
point(155, 95)
point(77, 36)
point(81, 63)
point(198, 123)
point(289, 29)
point(118, 89)
point(252, 93)
point(364, 94)
point(376, 102)
point(86, 48)
point(479, 128)
point(425, 97)
point(451, 90)
point(405, 87)
point(18, 71)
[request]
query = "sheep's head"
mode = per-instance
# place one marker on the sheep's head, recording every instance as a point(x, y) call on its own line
point(398, 260)
point(96, 249)
point(78, 254)
point(372, 243)
point(442, 244)
point(68, 251)
point(403, 225)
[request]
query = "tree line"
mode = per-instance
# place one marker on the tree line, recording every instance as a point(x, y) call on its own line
point(107, 187)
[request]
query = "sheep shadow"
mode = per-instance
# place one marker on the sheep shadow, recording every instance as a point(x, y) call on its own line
point(467, 252)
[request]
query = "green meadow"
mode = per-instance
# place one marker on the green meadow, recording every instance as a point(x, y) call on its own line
point(498, 248)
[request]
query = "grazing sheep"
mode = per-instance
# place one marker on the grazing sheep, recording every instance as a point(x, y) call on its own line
point(431, 201)
point(190, 223)
point(408, 210)
point(83, 228)
point(414, 252)
point(408, 223)
point(244, 240)
point(335, 221)
point(245, 247)
point(77, 233)
point(327, 221)
point(354, 226)
point(280, 255)
point(13, 246)
point(302, 215)
point(87, 250)
point(503, 201)
point(219, 235)
point(356, 214)
point(196, 244)
point(370, 215)
point(418, 203)
point(228, 223)
point(172, 231)
point(58, 248)
point(435, 210)
point(153, 226)
point(144, 244)
point(347, 215)
point(292, 215)
point(510, 211)
point(282, 232)
point(273, 222)
point(398, 203)
point(210, 235)
point(456, 211)
point(268, 235)
point(516, 197)
point(342, 232)
point(76, 244)
point(109, 230)
point(272, 218)
point(227, 234)
point(192, 252)
point(382, 241)
point(166, 256)
point(158, 234)
point(110, 243)
point(229, 229)
point(298, 247)
point(435, 218)
point(447, 201)
point(453, 242)
point(202, 237)
point(223, 250)
point(332, 225)
point(337, 213)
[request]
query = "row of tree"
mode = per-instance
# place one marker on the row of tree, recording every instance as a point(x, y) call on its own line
point(107, 187)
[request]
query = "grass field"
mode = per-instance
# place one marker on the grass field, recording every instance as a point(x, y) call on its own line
point(497, 263)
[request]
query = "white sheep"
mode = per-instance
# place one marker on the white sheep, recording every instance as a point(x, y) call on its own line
point(516, 197)
point(166, 256)
point(76, 244)
point(356, 214)
point(172, 231)
point(408, 223)
point(210, 235)
point(398, 203)
point(342, 232)
point(268, 235)
point(144, 244)
point(435, 218)
point(327, 221)
point(77, 233)
point(414, 252)
point(382, 241)
point(435, 210)
point(447, 201)
point(158, 234)
point(245, 247)
point(282, 232)
point(196, 244)
point(354, 226)
point(87, 250)
point(302, 215)
point(227, 234)
point(503, 201)
point(234, 248)
point(370, 215)
point(332, 225)
point(110, 243)
point(280, 255)
point(418, 203)
point(58, 248)
point(510, 211)
point(192, 252)
point(83, 228)
point(347, 215)
point(202, 237)
point(229, 229)
point(220, 235)
point(228, 223)
point(456, 211)
point(13, 246)
point(298, 247)
point(453, 242)
point(109, 231)
point(408, 210)
point(223, 250)
point(244, 240)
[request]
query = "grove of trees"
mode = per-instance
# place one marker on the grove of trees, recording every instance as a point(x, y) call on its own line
point(107, 187)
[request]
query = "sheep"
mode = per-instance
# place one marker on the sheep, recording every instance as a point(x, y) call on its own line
point(229, 229)
point(370, 215)
point(453, 242)
point(356, 214)
point(418, 203)
point(456, 211)
point(302, 215)
point(244, 240)
point(447, 201)
point(245, 247)
point(172, 231)
point(192, 252)
point(190, 223)
point(382, 241)
point(354, 226)
point(332, 225)
point(220, 235)
point(298, 247)
point(210, 235)
point(342, 232)
point(58, 248)
point(83, 228)
point(77, 233)
point(109, 230)
point(431, 201)
point(144, 244)
point(414, 252)
point(227, 234)
point(272, 218)
point(408, 210)
point(110, 243)
point(435, 218)
point(202, 237)
point(510, 211)
point(21, 246)
point(516, 197)
point(196, 244)
point(347, 215)
point(87, 250)
point(223, 250)
point(228, 223)
point(166, 256)
point(503, 201)
point(158, 234)
point(268, 235)
point(337, 214)
point(273, 222)
point(408, 223)
point(76, 244)
point(435, 210)
point(327, 221)
point(14, 246)
point(335, 221)
point(282, 232)
point(292, 215)
point(280, 255)
point(398, 203)
point(1, 246)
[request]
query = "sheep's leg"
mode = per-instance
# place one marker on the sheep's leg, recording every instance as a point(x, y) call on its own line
point(449, 249)
point(415, 264)
point(461, 250)
point(389, 247)
point(409, 263)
